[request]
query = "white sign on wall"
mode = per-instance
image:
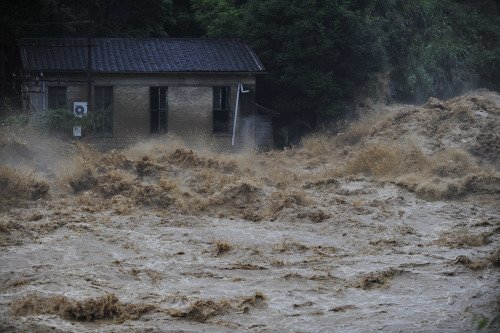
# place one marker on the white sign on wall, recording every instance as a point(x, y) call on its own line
point(77, 131)
point(80, 109)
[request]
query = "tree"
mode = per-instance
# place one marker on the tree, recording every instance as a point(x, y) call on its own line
point(441, 48)
point(318, 53)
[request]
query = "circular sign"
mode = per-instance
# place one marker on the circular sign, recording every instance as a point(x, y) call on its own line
point(79, 110)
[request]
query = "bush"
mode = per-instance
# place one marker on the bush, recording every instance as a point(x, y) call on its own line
point(60, 120)
point(16, 120)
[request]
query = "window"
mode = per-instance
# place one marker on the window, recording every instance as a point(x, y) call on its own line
point(158, 97)
point(103, 114)
point(221, 112)
point(57, 98)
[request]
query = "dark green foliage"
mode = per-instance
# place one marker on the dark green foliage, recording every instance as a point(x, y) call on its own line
point(16, 120)
point(145, 18)
point(321, 55)
point(52, 120)
point(56, 119)
point(220, 18)
point(111, 18)
point(318, 53)
point(60, 120)
point(181, 22)
point(441, 48)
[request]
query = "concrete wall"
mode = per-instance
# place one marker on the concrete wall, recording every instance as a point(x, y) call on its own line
point(189, 99)
point(190, 110)
point(264, 131)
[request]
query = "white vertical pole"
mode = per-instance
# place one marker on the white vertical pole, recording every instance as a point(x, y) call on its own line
point(236, 114)
point(236, 109)
point(43, 92)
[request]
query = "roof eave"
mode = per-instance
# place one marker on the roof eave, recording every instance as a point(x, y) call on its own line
point(150, 72)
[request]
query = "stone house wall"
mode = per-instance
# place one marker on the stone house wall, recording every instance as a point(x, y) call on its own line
point(189, 99)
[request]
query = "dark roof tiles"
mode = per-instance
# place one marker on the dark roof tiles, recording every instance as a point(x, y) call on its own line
point(139, 55)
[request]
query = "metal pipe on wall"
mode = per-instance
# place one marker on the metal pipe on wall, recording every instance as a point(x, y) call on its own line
point(236, 109)
point(43, 93)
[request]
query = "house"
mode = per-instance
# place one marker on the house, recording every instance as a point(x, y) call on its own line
point(144, 86)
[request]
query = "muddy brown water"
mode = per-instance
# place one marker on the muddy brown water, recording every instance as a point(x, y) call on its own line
point(392, 225)
point(316, 277)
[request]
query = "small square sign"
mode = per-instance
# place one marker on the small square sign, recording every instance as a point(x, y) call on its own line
point(77, 131)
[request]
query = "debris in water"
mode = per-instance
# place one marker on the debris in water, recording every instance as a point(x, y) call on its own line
point(104, 307)
point(202, 310)
point(377, 279)
point(463, 238)
point(17, 188)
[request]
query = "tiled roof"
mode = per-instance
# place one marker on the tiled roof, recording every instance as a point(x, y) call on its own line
point(139, 55)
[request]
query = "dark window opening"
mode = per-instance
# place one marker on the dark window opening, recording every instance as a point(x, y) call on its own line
point(159, 109)
point(103, 114)
point(57, 98)
point(221, 112)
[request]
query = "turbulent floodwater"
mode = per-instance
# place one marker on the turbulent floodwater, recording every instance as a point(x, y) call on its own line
point(392, 225)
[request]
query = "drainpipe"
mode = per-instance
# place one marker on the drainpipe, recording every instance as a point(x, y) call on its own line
point(240, 89)
point(43, 92)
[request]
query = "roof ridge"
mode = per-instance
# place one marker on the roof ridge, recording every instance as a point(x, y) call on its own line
point(141, 54)
point(136, 38)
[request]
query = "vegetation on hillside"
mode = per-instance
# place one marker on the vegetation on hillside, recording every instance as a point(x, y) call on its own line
point(322, 56)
